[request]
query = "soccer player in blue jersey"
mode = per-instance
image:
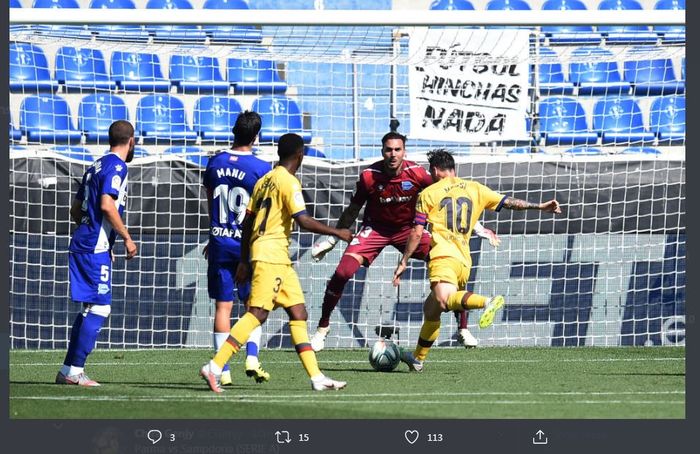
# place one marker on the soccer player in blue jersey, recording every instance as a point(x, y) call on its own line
point(229, 179)
point(96, 210)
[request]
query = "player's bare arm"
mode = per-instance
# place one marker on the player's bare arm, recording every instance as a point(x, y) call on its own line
point(551, 206)
point(348, 217)
point(310, 224)
point(112, 215)
point(411, 246)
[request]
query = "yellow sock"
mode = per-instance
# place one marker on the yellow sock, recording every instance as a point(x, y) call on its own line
point(239, 335)
point(300, 339)
point(459, 301)
point(429, 333)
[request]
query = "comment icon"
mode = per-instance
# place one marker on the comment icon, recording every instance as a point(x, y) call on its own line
point(154, 435)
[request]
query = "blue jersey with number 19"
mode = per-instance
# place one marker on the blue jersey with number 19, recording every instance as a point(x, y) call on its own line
point(107, 175)
point(230, 178)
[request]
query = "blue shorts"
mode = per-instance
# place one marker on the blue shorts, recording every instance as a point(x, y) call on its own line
point(90, 277)
point(221, 283)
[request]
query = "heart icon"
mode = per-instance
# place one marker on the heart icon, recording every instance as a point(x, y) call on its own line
point(411, 436)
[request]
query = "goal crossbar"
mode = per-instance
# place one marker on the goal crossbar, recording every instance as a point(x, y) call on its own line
point(352, 17)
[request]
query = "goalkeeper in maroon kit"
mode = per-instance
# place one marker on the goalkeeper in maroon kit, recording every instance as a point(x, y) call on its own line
point(390, 188)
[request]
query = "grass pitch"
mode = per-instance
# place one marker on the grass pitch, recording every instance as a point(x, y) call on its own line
point(481, 383)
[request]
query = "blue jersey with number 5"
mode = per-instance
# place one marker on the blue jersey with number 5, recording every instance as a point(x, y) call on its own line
point(106, 176)
point(229, 179)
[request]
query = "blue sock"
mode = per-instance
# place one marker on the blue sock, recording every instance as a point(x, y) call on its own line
point(87, 337)
point(226, 367)
point(251, 349)
point(72, 344)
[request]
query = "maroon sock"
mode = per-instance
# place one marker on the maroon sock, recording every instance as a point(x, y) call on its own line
point(462, 319)
point(347, 267)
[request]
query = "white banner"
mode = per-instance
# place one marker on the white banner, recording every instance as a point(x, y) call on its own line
point(469, 85)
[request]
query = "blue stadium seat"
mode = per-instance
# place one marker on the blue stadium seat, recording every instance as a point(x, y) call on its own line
point(683, 69)
point(563, 121)
point(569, 34)
point(64, 30)
point(670, 33)
point(619, 120)
point(626, 33)
point(551, 79)
point(197, 74)
point(138, 152)
point(584, 151)
point(15, 4)
point(452, 5)
point(667, 119)
point(161, 118)
point(174, 32)
point(79, 69)
point(74, 152)
point(214, 116)
point(239, 33)
point(652, 77)
point(314, 152)
point(253, 76)
point(640, 150)
point(194, 155)
point(29, 70)
point(128, 32)
point(138, 72)
point(14, 133)
point(280, 115)
point(97, 112)
point(508, 5)
point(47, 118)
point(596, 77)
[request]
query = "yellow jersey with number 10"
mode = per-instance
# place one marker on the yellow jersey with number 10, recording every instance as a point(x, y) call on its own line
point(451, 207)
point(276, 200)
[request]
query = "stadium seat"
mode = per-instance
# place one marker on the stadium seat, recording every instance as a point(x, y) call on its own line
point(97, 112)
point(563, 121)
point(584, 151)
point(79, 69)
point(239, 33)
point(64, 30)
point(640, 150)
point(683, 69)
point(574, 34)
point(670, 33)
point(138, 72)
point(253, 76)
point(524, 150)
point(15, 4)
point(130, 32)
point(74, 152)
point(280, 115)
point(47, 118)
point(214, 116)
point(619, 120)
point(14, 133)
point(197, 74)
point(452, 5)
point(193, 154)
point(174, 32)
point(508, 5)
point(161, 118)
point(652, 77)
point(596, 77)
point(138, 152)
point(314, 152)
point(626, 33)
point(551, 79)
point(29, 70)
point(667, 119)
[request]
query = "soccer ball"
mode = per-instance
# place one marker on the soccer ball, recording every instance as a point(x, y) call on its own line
point(384, 355)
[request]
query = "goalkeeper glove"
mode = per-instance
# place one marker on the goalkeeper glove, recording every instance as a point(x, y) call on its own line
point(323, 247)
point(490, 235)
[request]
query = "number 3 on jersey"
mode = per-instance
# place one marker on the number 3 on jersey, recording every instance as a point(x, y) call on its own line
point(233, 201)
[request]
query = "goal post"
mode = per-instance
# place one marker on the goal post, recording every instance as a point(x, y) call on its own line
point(609, 271)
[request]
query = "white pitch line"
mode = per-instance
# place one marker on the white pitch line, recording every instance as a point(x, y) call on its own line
point(352, 361)
point(219, 399)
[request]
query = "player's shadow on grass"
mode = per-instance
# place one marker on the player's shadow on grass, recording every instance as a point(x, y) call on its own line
point(648, 374)
point(343, 369)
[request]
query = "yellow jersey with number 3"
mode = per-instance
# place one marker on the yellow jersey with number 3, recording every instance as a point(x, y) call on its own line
point(450, 208)
point(276, 201)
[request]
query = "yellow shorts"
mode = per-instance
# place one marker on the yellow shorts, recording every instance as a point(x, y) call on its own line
point(274, 285)
point(449, 269)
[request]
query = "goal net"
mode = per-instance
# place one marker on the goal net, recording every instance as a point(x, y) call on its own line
point(592, 117)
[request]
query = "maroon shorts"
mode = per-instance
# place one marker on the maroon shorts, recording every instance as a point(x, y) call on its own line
point(368, 243)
